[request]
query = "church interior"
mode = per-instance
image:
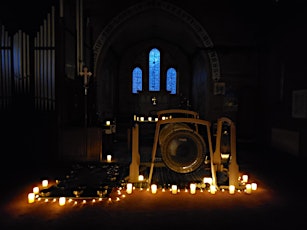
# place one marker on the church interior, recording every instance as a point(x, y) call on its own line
point(213, 91)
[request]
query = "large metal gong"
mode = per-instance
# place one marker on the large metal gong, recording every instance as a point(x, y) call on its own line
point(183, 149)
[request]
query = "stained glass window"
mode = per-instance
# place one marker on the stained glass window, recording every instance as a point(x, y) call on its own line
point(154, 70)
point(136, 80)
point(171, 80)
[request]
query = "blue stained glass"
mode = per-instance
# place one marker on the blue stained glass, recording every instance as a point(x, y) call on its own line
point(171, 80)
point(136, 80)
point(154, 70)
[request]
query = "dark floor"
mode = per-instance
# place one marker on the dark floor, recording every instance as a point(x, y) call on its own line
point(278, 203)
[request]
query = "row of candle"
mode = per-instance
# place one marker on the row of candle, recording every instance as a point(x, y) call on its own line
point(213, 189)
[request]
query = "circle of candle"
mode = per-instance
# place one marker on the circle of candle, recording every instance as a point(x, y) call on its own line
point(35, 190)
point(232, 189)
point(245, 178)
point(254, 186)
point(45, 183)
point(129, 188)
point(192, 188)
point(62, 201)
point(153, 188)
point(31, 197)
point(212, 189)
point(174, 189)
point(109, 158)
point(248, 188)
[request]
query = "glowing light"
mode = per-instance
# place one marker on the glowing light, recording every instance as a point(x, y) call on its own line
point(212, 189)
point(129, 188)
point(245, 178)
point(207, 180)
point(31, 197)
point(248, 188)
point(192, 188)
point(45, 183)
point(62, 201)
point(174, 189)
point(232, 189)
point(35, 190)
point(141, 178)
point(109, 158)
point(153, 188)
point(108, 123)
point(254, 186)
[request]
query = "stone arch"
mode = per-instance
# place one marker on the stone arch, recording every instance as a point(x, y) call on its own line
point(172, 9)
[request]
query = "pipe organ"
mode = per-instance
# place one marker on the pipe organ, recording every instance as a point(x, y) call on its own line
point(44, 65)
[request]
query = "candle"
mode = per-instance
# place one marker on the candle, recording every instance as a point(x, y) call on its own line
point(45, 183)
point(232, 189)
point(174, 189)
point(153, 188)
point(141, 178)
point(129, 188)
point(212, 189)
point(31, 197)
point(149, 118)
point(248, 188)
point(207, 180)
point(192, 188)
point(254, 186)
point(245, 178)
point(35, 190)
point(62, 201)
point(142, 118)
point(109, 158)
point(108, 123)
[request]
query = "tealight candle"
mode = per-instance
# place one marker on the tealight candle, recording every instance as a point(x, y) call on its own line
point(232, 189)
point(254, 186)
point(248, 188)
point(141, 178)
point(45, 183)
point(192, 188)
point(109, 158)
point(207, 180)
point(62, 201)
point(245, 178)
point(35, 190)
point(174, 189)
point(129, 188)
point(212, 189)
point(153, 188)
point(31, 197)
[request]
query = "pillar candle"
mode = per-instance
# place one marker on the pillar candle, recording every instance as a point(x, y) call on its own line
point(232, 189)
point(31, 197)
point(174, 189)
point(153, 188)
point(129, 188)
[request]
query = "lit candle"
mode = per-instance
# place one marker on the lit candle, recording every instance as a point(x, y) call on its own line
point(45, 183)
point(192, 188)
point(31, 197)
point(212, 189)
point(149, 118)
point(232, 189)
point(207, 180)
point(35, 190)
point(108, 123)
point(62, 201)
point(153, 188)
point(174, 189)
point(109, 158)
point(248, 188)
point(129, 188)
point(254, 186)
point(245, 178)
point(142, 118)
point(156, 119)
point(141, 178)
